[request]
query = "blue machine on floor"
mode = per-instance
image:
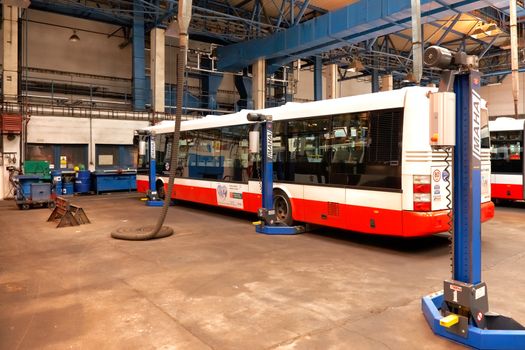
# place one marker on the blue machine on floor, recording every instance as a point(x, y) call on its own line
point(460, 312)
point(147, 141)
point(30, 192)
point(269, 223)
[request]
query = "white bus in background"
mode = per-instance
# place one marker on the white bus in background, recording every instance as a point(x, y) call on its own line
point(507, 162)
point(360, 163)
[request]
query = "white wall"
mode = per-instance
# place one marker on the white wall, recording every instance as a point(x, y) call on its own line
point(48, 46)
point(499, 97)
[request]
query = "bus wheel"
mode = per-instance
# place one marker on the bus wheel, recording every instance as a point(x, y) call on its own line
point(161, 192)
point(283, 208)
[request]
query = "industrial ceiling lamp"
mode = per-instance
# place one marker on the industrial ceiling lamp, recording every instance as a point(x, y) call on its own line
point(74, 37)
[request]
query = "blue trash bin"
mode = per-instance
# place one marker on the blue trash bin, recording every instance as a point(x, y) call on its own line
point(83, 181)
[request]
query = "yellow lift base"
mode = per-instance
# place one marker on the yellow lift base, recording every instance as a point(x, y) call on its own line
point(449, 320)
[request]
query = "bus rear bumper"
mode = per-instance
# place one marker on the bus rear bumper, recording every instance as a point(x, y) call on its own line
point(504, 191)
point(417, 224)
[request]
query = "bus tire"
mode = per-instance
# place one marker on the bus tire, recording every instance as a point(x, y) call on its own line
point(161, 191)
point(283, 207)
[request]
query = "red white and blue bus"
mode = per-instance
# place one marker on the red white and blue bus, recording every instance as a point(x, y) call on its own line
point(360, 163)
point(507, 162)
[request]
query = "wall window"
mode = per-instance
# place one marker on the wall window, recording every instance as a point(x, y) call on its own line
point(116, 156)
point(65, 156)
point(41, 152)
point(506, 151)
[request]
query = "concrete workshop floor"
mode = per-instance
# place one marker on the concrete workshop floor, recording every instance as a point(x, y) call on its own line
point(217, 284)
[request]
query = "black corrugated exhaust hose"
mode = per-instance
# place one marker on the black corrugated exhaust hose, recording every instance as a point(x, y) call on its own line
point(148, 232)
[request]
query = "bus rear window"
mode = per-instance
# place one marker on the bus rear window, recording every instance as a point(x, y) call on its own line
point(506, 151)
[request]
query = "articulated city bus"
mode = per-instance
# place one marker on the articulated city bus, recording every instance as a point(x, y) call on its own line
point(360, 163)
point(507, 162)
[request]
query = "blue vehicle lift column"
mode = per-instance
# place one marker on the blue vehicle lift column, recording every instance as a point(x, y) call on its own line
point(269, 224)
point(139, 67)
point(461, 311)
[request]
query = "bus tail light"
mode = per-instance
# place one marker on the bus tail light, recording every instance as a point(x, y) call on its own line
point(422, 193)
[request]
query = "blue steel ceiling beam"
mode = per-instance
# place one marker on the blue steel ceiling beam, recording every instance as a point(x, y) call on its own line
point(291, 10)
point(281, 14)
point(354, 23)
point(302, 9)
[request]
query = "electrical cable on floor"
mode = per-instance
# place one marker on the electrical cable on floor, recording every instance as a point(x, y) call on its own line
point(144, 233)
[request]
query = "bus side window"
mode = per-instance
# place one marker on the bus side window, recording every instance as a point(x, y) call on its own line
point(350, 138)
point(160, 147)
point(234, 152)
point(368, 149)
point(280, 151)
point(383, 157)
point(309, 146)
point(210, 163)
point(182, 166)
point(193, 151)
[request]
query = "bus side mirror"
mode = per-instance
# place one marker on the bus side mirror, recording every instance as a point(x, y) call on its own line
point(254, 138)
point(255, 117)
point(142, 148)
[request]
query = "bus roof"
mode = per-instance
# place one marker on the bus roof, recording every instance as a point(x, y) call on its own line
point(292, 110)
point(506, 123)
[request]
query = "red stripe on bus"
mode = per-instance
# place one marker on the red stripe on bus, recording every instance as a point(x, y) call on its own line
point(504, 191)
point(142, 186)
point(348, 217)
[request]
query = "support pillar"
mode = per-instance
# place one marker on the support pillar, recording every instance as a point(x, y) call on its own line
point(259, 84)
point(318, 78)
point(332, 86)
point(375, 80)
point(10, 53)
point(387, 82)
point(139, 68)
point(244, 85)
point(157, 59)
point(10, 149)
